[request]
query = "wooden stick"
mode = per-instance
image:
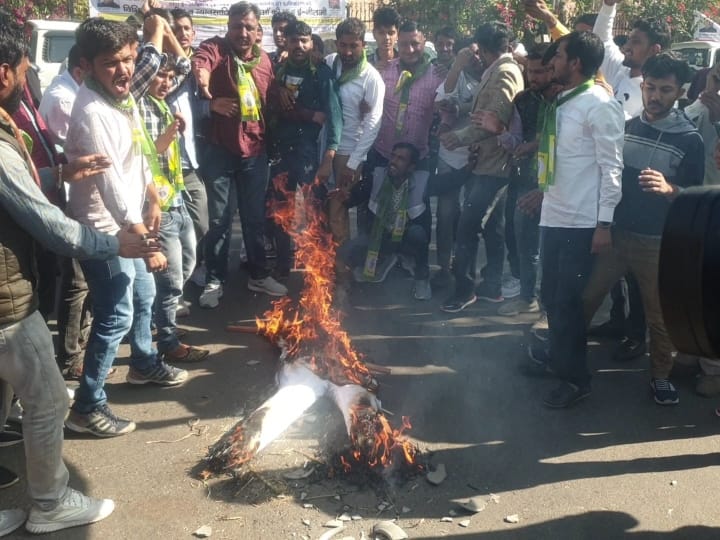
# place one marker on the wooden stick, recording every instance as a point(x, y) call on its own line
point(241, 329)
point(377, 369)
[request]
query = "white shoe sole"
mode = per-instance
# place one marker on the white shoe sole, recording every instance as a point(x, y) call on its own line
point(104, 511)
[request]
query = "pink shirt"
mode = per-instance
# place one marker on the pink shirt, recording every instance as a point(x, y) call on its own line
point(419, 114)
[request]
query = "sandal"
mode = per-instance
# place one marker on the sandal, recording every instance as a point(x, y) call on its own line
point(192, 354)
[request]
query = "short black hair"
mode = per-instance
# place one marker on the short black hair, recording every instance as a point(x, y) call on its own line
point(587, 18)
point(318, 44)
point(414, 152)
point(73, 57)
point(353, 27)
point(13, 45)
point(160, 12)
point(538, 52)
point(240, 9)
point(495, 37)
point(620, 40)
point(180, 13)
point(586, 47)
point(665, 64)
point(408, 25)
point(448, 32)
point(657, 30)
point(283, 17)
point(386, 16)
point(97, 36)
point(297, 28)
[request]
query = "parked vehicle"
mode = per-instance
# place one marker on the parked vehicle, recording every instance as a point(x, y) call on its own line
point(50, 43)
point(699, 54)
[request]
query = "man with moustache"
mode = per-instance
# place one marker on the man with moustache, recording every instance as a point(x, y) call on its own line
point(106, 119)
point(663, 154)
point(361, 91)
point(236, 67)
point(27, 365)
point(579, 169)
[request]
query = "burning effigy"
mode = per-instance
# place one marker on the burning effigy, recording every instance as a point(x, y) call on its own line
point(316, 359)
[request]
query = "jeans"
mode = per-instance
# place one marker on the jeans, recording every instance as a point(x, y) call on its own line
point(122, 293)
point(74, 314)
point(27, 368)
point(249, 178)
point(300, 163)
point(640, 255)
point(527, 244)
point(448, 215)
point(483, 212)
point(196, 203)
point(177, 237)
point(566, 266)
point(415, 243)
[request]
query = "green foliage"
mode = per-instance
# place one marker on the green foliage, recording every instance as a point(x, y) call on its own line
point(46, 9)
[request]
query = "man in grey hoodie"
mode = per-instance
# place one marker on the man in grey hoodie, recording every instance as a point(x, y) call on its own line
point(663, 154)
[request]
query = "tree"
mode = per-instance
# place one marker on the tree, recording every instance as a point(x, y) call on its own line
point(46, 9)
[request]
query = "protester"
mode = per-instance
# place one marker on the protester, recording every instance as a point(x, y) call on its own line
point(280, 20)
point(579, 168)
point(235, 73)
point(386, 21)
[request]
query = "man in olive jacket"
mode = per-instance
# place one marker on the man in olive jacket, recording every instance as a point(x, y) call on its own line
point(483, 207)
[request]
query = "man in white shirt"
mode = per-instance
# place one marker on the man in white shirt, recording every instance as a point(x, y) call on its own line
point(579, 168)
point(361, 93)
point(57, 101)
point(623, 68)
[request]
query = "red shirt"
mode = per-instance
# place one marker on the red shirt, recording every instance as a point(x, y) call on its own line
point(246, 139)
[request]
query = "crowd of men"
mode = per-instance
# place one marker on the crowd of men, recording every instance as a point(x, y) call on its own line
point(127, 172)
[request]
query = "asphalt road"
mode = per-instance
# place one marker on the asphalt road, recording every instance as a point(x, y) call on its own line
point(615, 466)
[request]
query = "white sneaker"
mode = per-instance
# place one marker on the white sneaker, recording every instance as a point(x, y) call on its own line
point(199, 276)
point(75, 509)
point(268, 286)
point(510, 287)
point(11, 520)
point(211, 295)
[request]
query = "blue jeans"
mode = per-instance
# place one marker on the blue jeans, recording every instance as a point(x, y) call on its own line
point(527, 244)
point(177, 236)
point(249, 177)
point(483, 212)
point(567, 262)
point(122, 294)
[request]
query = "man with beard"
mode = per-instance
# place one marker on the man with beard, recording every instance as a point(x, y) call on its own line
point(579, 169)
point(27, 364)
point(236, 67)
point(663, 154)
point(105, 119)
point(302, 99)
point(622, 68)
point(361, 91)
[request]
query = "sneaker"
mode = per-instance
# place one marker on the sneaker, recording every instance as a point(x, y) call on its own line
point(422, 290)
point(182, 309)
point(161, 374)
point(11, 520)
point(540, 328)
point(267, 285)
point(407, 263)
point(211, 295)
point(74, 509)
point(101, 422)
point(7, 479)
point(664, 392)
point(517, 306)
point(10, 438)
point(629, 349)
point(455, 304)
point(441, 279)
point(489, 294)
point(708, 385)
point(565, 395)
point(199, 276)
point(510, 287)
point(382, 270)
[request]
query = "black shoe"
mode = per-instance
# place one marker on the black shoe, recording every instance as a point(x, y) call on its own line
point(455, 304)
point(489, 294)
point(609, 329)
point(565, 395)
point(7, 478)
point(629, 349)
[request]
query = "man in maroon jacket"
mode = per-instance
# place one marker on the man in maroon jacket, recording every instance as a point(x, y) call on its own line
point(235, 74)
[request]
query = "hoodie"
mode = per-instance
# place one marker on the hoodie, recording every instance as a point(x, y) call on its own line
point(672, 146)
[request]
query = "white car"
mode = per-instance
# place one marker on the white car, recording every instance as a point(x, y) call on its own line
point(49, 46)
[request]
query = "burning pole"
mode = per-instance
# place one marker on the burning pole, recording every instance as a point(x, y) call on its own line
point(317, 359)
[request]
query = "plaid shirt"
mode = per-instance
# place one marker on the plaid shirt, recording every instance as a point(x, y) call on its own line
point(148, 63)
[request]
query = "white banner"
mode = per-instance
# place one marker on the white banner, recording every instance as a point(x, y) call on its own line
point(210, 16)
point(705, 28)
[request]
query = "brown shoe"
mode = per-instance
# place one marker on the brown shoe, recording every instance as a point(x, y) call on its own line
point(186, 354)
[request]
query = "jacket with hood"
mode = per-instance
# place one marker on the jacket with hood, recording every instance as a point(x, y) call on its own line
point(672, 146)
